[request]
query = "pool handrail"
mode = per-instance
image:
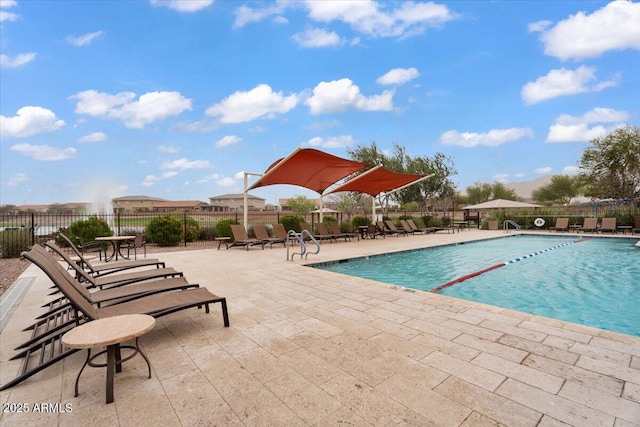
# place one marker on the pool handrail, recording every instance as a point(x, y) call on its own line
point(507, 223)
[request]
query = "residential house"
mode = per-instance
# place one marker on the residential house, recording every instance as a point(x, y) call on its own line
point(235, 202)
point(181, 205)
point(132, 204)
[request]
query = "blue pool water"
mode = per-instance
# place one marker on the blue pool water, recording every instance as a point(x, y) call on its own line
point(595, 282)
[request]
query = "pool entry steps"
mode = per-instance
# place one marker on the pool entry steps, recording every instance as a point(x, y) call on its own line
point(502, 264)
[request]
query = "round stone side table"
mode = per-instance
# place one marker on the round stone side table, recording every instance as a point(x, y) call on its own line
point(110, 332)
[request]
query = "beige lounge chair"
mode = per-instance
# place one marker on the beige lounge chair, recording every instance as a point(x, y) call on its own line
point(46, 348)
point(261, 233)
point(334, 228)
point(608, 225)
point(408, 228)
point(324, 233)
point(101, 269)
point(116, 294)
point(589, 224)
point(113, 280)
point(427, 230)
point(88, 247)
point(562, 224)
point(392, 227)
point(240, 237)
point(384, 230)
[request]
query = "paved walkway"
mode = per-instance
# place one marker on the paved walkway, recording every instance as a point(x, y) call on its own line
point(309, 347)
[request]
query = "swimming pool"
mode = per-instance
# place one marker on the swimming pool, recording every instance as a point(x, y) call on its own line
point(594, 282)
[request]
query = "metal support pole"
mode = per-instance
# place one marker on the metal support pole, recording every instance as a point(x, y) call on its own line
point(245, 209)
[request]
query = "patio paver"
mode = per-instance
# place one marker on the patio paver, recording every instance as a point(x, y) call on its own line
point(310, 347)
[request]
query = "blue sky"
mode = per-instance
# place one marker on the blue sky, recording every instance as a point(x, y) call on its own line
point(175, 99)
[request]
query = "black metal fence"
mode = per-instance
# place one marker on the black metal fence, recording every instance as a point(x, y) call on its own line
point(19, 231)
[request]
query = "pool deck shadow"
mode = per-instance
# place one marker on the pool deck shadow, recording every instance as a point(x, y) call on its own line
point(311, 347)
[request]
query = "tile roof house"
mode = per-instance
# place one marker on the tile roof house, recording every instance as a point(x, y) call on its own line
point(235, 202)
point(131, 204)
point(181, 205)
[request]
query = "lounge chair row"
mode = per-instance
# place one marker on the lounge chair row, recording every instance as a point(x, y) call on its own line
point(608, 225)
point(324, 231)
point(93, 291)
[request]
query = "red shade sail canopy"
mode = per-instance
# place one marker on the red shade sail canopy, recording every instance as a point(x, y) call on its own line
point(379, 180)
point(308, 168)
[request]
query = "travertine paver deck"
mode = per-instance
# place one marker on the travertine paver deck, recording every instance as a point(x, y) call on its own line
point(309, 347)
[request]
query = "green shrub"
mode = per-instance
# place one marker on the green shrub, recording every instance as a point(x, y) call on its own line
point(360, 221)
point(192, 230)
point(426, 220)
point(164, 231)
point(131, 231)
point(419, 223)
point(13, 242)
point(223, 228)
point(59, 240)
point(446, 221)
point(346, 227)
point(434, 222)
point(89, 229)
point(292, 222)
point(328, 218)
point(207, 233)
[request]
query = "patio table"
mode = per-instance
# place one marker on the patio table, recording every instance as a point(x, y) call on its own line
point(109, 332)
point(116, 244)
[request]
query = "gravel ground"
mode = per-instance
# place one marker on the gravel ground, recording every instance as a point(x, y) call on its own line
point(12, 268)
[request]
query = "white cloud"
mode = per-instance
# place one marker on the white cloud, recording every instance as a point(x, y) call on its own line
point(543, 170)
point(227, 140)
point(370, 18)
point(153, 106)
point(247, 15)
point(185, 163)
point(44, 152)
point(563, 82)
point(100, 104)
point(84, 39)
point(501, 177)
point(150, 180)
point(260, 101)
point(225, 182)
point(94, 137)
point(570, 170)
point(539, 26)
point(8, 16)
point(17, 61)
point(317, 37)
point(183, 5)
point(614, 27)
point(492, 138)
point(30, 120)
point(150, 107)
point(341, 95)
point(578, 129)
point(168, 149)
point(340, 141)
point(17, 179)
point(398, 76)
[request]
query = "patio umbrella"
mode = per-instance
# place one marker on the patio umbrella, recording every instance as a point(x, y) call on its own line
point(501, 204)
